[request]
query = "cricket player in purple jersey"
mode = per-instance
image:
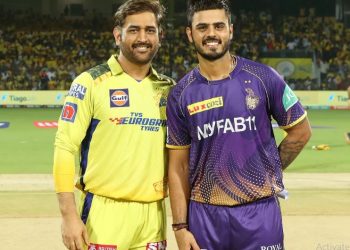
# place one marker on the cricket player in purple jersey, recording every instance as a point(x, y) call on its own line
point(225, 169)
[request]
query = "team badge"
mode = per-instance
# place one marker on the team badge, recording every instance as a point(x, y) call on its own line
point(162, 102)
point(69, 112)
point(251, 99)
point(160, 98)
point(119, 98)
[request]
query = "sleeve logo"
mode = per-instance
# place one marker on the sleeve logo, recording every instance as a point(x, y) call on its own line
point(119, 98)
point(289, 98)
point(69, 112)
point(77, 91)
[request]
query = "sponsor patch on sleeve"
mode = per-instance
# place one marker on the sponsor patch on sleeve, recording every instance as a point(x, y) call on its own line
point(289, 98)
point(77, 91)
point(69, 112)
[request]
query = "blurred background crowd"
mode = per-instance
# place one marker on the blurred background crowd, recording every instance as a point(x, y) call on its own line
point(42, 52)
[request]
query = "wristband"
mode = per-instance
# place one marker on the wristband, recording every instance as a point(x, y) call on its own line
point(179, 226)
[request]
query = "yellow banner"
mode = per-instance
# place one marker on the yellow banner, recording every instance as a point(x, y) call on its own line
point(323, 98)
point(47, 97)
point(291, 67)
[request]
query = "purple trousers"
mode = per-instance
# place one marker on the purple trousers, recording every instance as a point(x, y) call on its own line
point(252, 226)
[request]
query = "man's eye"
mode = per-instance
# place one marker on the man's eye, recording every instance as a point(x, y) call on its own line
point(220, 26)
point(151, 31)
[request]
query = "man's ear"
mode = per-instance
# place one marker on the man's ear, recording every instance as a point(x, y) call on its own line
point(189, 34)
point(161, 35)
point(231, 31)
point(117, 33)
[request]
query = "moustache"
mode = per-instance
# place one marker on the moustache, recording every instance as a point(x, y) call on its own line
point(135, 45)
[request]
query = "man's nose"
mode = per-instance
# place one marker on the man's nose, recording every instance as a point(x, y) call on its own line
point(211, 31)
point(142, 35)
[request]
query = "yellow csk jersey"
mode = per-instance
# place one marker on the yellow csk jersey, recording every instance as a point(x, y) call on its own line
point(118, 125)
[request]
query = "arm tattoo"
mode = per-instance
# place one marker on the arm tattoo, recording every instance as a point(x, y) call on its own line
point(289, 150)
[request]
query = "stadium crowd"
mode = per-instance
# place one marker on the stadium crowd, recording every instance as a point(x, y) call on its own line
point(39, 52)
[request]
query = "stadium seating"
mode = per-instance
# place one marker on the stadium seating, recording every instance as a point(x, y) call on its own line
point(39, 52)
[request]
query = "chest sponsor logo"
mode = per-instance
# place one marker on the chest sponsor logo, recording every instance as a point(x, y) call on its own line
point(69, 112)
point(4, 124)
point(156, 245)
point(77, 91)
point(138, 119)
point(102, 247)
point(119, 98)
point(205, 105)
point(223, 126)
point(45, 124)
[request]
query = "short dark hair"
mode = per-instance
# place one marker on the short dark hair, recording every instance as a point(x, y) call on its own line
point(132, 7)
point(200, 5)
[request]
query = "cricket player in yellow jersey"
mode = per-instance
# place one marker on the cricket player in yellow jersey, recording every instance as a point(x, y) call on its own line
point(114, 118)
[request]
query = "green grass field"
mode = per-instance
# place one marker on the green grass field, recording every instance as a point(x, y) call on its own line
point(336, 160)
point(322, 209)
point(27, 149)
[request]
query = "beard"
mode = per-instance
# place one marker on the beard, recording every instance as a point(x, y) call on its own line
point(136, 57)
point(213, 54)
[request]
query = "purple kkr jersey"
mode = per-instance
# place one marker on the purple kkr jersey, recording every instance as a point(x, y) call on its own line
point(227, 126)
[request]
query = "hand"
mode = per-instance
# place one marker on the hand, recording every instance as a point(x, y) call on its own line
point(185, 240)
point(74, 233)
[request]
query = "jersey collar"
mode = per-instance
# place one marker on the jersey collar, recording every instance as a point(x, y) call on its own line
point(116, 69)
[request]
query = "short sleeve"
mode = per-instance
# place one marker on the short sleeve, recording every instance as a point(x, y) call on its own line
point(284, 104)
point(178, 136)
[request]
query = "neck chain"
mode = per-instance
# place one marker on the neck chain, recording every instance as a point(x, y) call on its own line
point(232, 67)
